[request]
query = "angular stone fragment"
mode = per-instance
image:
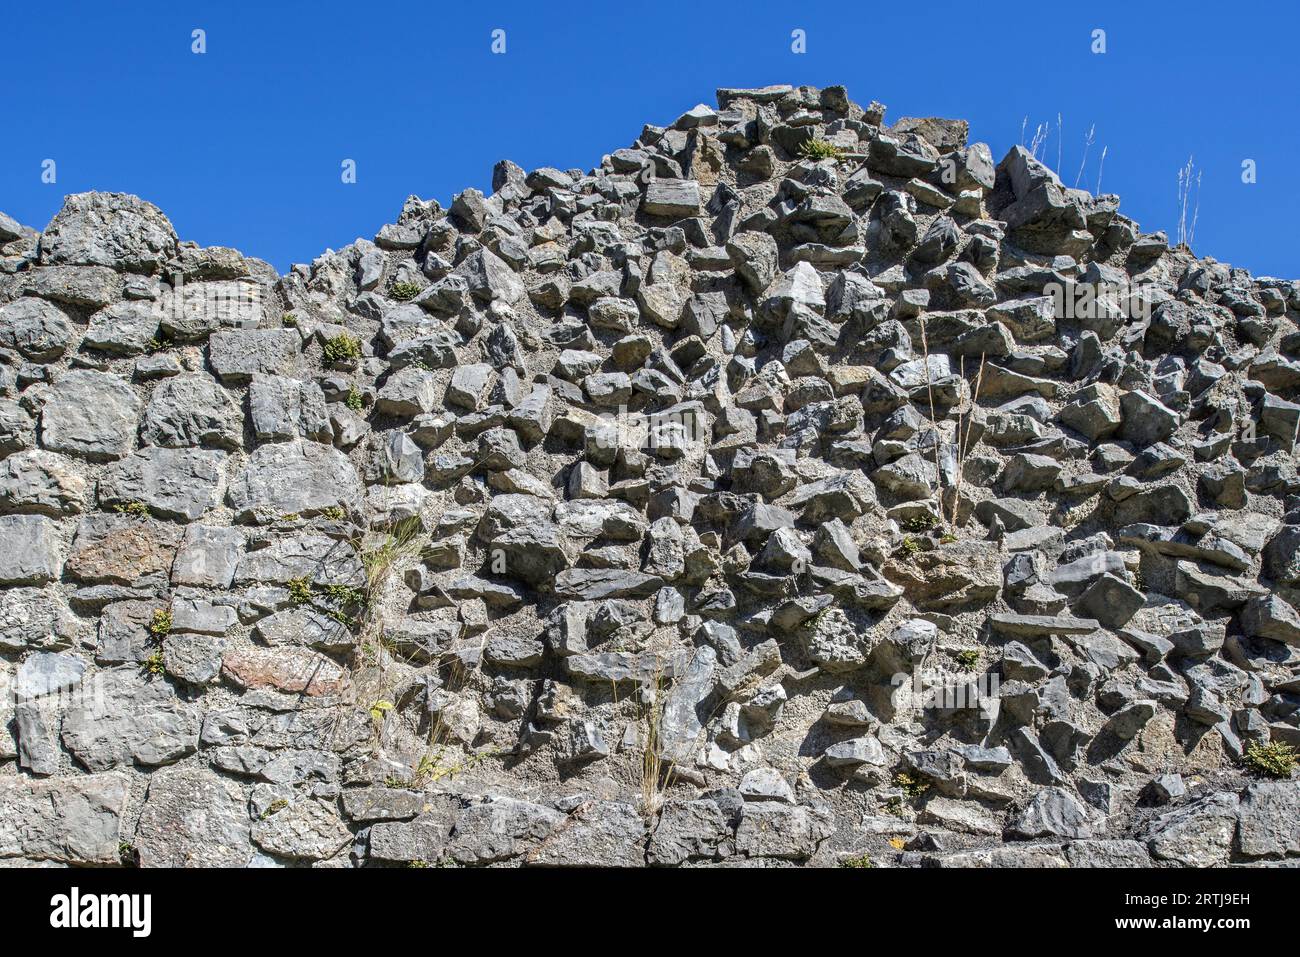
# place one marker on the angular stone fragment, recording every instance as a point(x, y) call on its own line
point(1269, 616)
point(291, 670)
point(780, 831)
point(490, 277)
point(1199, 834)
point(34, 617)
point(500, 829)
point(126, 718)
point(45, 673)
point(172, 483)
point(294, 478)
point(672, 197)
point(207, 556)
point(190, 410)
point(1270, 819)
point(317, 558)
point(193, 817)
point(239, 354)
point(1146, 419)
point(305, 830)
point(31, 550)
point(598, 833)
point(75, 820)
point(37, 329)
point(126, 328)
point(109, 229)
point(408, 392)
point(90, 414)
point(282, 409)
point(121, 549)
point(689, 830)
point(42, 482)
point(589, 584)
point(305, 627)
point(754, 256)
point(1111, 600)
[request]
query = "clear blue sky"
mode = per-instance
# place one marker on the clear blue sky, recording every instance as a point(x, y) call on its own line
point(242, 146)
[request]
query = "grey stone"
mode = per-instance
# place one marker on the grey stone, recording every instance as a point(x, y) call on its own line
point(193, 658)
point(203, 617)
point(1199, 834)
point(1270, 819)
point(126, 328)
point(37, 329)
point(1132, 718)
point(1269, 616)
point(1107, 853)
point(294, 478)
point(283, 409)
point(689, 830)
point(305, 830)
point(500, 829)
point(754, 256)
point(468, 385)
point(408, 392)
point(855, 752)
point(90, 414)
point(1054, 812)
point(836, 644)
point(681, 731)
point(396, 459)
point(237, 355)
point(676, 198)
point(304, 627)
point(597, 833)
point(191, 410)
point(1146, 419)
point(86, 287)
point(129, 719)
point(124, 633)
point(34, 617)
point(193, 817)
point(31, 550)
point(36, 729)
point(965, 817)
point(46, 673)
point(42, 482)
point(1111, 600)
point(589, 584)
point(109, 229)
point(319, 559)
point(208, 556)
point(768, 829)
point(172, 483)
point(64, 820)
point(490, 277)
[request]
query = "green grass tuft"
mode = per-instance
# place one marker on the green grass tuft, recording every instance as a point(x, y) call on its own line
point(1277, 760)
point(154, 665)
point(820, 149)
point(404, 291)
point(911, 785)
point(160, 625)
point(300, 590)
point(342, 347)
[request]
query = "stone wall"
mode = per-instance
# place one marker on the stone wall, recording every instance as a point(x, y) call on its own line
point(792, 488)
